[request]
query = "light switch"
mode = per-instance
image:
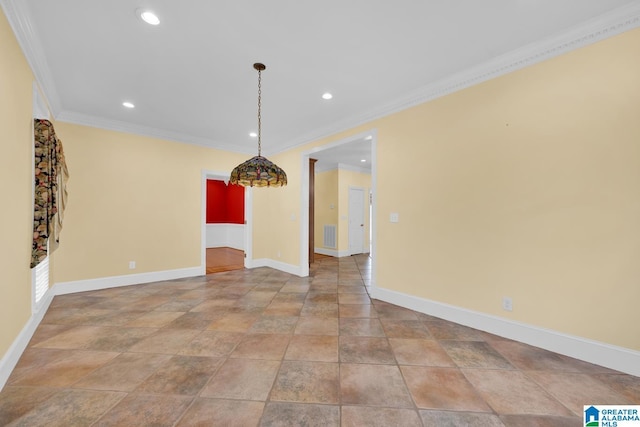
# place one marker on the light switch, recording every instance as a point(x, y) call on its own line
point(394, 217)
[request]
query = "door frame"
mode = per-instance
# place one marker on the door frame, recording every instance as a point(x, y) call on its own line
point(304, 199)
point(248, 218)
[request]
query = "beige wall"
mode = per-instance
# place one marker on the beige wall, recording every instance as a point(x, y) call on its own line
point(132, 198)
point(16, 185)
point(524, 186)
point(347, 179)
point(277, 213)
point(326, 204)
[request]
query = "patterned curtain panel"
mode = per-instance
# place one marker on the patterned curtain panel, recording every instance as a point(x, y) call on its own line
point(51, 177)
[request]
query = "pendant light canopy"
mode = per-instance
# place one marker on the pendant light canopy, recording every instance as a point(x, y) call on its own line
point(258, 171)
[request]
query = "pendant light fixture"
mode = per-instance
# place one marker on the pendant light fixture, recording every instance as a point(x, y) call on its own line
point(258, 171)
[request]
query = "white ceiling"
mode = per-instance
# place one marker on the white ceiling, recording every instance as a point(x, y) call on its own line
point(349, 155)
point(191, 78)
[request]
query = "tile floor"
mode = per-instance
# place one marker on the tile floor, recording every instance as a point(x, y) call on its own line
point(261, 347)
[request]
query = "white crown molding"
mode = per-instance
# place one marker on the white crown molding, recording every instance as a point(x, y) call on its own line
point(120, 126)
point(607, 25)
point(40, 107)
point(18, 15)
point(610, 24)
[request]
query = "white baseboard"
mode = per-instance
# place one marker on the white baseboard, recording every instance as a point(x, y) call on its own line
point(607, 355)
point(325, 251)
point(63, 288)
point(12, 356)
point(277, 265)
point(331, 252)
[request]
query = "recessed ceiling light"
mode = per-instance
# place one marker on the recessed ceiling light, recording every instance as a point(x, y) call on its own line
point(327, 96)
point(149, 17)
point(363, 160)
point(128, 104)
point(253, 134)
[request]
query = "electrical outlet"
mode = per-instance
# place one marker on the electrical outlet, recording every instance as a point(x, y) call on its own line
point(278, 254)
point(132, 265)
point(507, 304)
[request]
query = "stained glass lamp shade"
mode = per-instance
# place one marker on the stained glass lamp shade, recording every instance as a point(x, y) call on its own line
point(258, 171)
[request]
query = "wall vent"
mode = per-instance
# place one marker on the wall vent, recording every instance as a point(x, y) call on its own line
point(330, 236)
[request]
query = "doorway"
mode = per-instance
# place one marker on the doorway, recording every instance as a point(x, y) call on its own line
point(225, 247)
point(225, 226)
point(343, 154)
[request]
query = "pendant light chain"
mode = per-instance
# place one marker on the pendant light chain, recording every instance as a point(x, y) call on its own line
point(259, 112)
point(258, 171)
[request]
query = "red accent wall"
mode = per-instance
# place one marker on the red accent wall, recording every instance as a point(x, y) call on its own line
point(225, 203)
point(235, 204)
point(216, 202)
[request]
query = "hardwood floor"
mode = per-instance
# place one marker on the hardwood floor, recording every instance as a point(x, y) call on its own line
point(224, 259)
point(229, 259)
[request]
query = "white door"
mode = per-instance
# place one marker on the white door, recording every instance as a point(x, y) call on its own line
point(356, 220)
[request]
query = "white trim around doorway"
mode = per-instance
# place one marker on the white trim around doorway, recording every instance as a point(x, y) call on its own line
point(304, 199)
point(248, 217)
